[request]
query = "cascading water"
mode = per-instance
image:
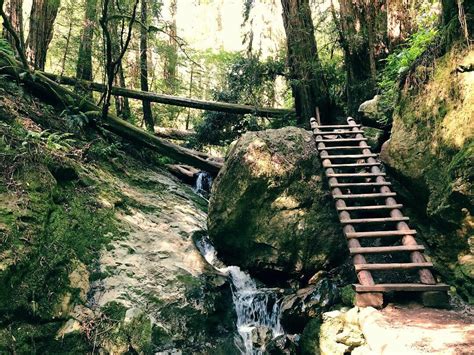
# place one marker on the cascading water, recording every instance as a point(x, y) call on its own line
point(203, 183)
point(257, 309)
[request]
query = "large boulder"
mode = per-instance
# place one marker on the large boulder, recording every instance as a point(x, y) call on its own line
point(270, 212)
point(431, 151)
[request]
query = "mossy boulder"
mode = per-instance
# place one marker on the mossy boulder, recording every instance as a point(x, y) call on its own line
point(431, 152)
point(270, 212)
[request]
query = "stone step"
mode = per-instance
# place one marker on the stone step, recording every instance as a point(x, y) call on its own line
point(374, 220)
point(383, 250)
point(401, 287)
point(392, 266)
point(377, 234)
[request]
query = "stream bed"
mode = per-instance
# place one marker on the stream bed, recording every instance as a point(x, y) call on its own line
point(258, 309)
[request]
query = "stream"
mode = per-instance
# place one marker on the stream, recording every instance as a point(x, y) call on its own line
point(257, 309)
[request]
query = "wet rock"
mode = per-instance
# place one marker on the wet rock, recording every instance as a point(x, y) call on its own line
point(307, 303)
point(373, 110)
point(283, 344)
point(261, 336)
point(269, 211)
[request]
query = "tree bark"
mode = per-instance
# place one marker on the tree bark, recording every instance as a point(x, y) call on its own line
point(175, 100)
point(172, 133)
point(84, 58)
point(14, 12)
point(171, 57)
point(306, 78)
point(147, 113)
point(42, 17)
point(122, 103)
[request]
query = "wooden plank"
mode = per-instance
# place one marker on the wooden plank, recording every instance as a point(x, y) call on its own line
point(370, 207)
point(339, 126)
point(360, 184)
point(352, 165)
point(376, 234)
point(392, 266)
point(374, 220)
point(338, 140)
point(415, 287)
point(350, 156)
point(336, 133)
point(382, 250)
point(363, 196)
point(336, 175)
point(342, 147)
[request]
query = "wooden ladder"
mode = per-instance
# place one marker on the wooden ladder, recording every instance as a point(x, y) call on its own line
point(371, 212)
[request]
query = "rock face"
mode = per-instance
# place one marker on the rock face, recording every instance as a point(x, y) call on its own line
point(269, 211)
point(431, 151)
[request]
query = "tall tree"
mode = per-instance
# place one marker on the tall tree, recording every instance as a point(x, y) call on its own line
point(305, 73)
point(147, 113)
point(42, 16)
point(84, 58)
point(171, 57)
point(14, 12)
point(362, 27)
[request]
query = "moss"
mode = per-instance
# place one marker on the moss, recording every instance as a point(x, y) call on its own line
point(347, 295)
point(309, 342)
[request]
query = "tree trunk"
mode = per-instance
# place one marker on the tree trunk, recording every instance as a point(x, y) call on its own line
point(123, 105)
point(306, 78)
point(362, 31)
point(42, 16)
point(401, 21)
point(14, 11)
point(171, 57)
point(84, 58)
point(176, 100)
point(147, 113)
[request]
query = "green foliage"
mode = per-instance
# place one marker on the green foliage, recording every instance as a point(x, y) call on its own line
point(53, 140)
point(5, 47)
point(249, 81)
point(400, 62)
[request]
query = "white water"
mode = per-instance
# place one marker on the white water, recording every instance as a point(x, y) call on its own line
point(255, 308)
point(203, 182)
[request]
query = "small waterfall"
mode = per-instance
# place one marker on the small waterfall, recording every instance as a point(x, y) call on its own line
point(203, 183)
point(257, 309)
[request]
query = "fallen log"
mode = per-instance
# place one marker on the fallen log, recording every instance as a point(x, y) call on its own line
point(173, 133)
point(173, 100)
point(185, 173)
point(47, 88)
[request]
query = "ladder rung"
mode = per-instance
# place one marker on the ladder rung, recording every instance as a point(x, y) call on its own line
point(374, 195)
point(400, 287)
point(339, 126)
point(392, 266)
point(349, 156)
point(336, 175)
point(355, 165)
point(374, 220)
point(343, 147)
point(377, 234)
point(381, 250)
point(340, 140)
point(370, 207)
point(360, 184)
point(335, 133)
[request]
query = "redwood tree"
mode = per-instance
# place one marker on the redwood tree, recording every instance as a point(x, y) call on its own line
point(14, 12)
point(306, 78)
point(42, 17)
point(84, 59)
point(147, 113)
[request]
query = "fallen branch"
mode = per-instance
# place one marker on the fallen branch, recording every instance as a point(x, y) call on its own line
point(46, 88)
point(185, 173)
point(172, 133)
point(173, 100)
